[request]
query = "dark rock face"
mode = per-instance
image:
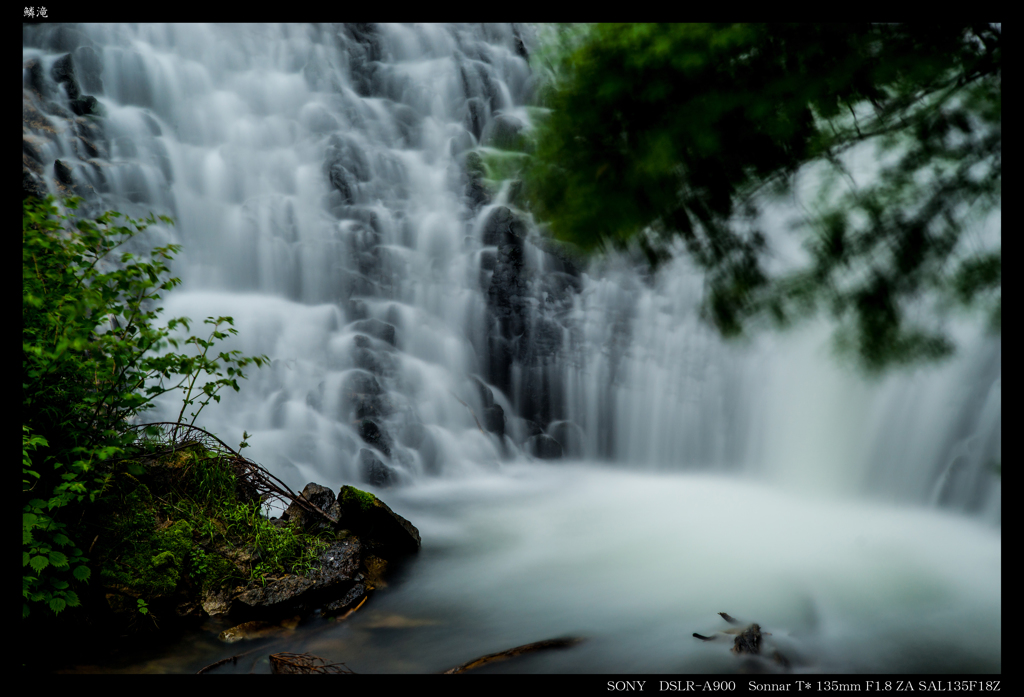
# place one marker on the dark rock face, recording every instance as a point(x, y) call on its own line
point(374, 435)
point(363, 397)
point(367, 516)
point(347, 166)
point(320, 496)
point(493, 418)
point(334, 581)
point(86, 105)
point(374, 471)
point(377, 329)
point(544, 446)
point(63, 73)
point(503, 227)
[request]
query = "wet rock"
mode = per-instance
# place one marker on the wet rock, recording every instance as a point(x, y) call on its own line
point(518, 44)
point(337, 572)
point(86, 105)
point(320, 496)
point(476, 115)
point(503, 227)
point(523, 429)
point(37, 79)
point(377, 329)
point(369, 517)
point(368, 360)
point(569, 435)
point(499, 363)
point(32, 186)
point(375, 472)
point(543, 341)
point(216, 602)
point(63, 73)
point(371, 432)
point(355, 594)
point(544, 446)
point(485, 393)
point(360, 382)
point(362, 396)
point(493, 418)
point(63, 174)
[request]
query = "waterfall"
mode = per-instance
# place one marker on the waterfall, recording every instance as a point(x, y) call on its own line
point(334, 190)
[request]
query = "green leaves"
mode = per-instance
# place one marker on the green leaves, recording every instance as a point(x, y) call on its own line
point(92, 361)
point(659, 132)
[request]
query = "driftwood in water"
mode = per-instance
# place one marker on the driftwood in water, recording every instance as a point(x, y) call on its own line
point(746, 640)
point(304, 664)
point(517, 651)
point(234, 659)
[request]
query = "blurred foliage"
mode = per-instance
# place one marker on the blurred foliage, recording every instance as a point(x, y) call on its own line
point(663, 132)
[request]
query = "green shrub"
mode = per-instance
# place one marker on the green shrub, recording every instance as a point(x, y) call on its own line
point(93, 359)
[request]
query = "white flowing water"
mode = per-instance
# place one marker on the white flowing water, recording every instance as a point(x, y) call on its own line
point(316, 175)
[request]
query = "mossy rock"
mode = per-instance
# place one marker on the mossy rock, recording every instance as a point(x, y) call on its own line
point(372, 519)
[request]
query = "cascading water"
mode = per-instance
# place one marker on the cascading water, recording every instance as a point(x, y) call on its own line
point(330, 194)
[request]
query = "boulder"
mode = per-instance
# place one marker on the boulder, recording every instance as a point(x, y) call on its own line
point(372, 434)
point(363, 397)
point(320, 496)
point(544, 446)
point(63, 72)
point(569, 435)
point(371, 519)
point(493, 418)
point(375, 472)
point(336, 575)
point(63, 173)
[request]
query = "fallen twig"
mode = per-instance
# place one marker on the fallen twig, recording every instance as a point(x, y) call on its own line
point(560, 643)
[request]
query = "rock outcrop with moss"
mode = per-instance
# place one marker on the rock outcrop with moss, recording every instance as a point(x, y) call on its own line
point(181, 536)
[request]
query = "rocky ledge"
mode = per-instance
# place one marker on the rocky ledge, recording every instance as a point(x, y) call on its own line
point(369, 537)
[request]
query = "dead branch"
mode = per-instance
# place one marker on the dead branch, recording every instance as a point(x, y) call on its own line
point(560, 643)
point(256, 477)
